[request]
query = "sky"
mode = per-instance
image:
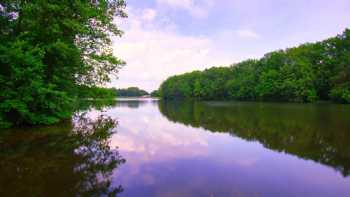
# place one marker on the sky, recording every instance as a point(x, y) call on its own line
point(168, 37)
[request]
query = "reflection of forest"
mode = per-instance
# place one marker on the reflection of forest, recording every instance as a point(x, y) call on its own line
point(318, 132)
point(134, 103)
point(68, 159)
point(101, 104)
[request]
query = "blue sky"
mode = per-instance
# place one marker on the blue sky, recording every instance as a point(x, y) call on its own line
point(167, 37)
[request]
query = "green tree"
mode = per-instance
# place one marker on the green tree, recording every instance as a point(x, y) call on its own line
point(155, 93)
point(131, 92)
point(242, 84)
point(97, 92)
point(339, 57)
point(47, 50)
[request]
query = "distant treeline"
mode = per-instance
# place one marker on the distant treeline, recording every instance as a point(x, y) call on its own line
point(96, 92)
point(307, 73)
point(107, 93)
point(131, 92)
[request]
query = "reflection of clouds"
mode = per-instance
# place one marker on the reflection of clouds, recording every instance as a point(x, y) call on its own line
point(128, 145)
point(148, 179)
point(242, 153)
point(159, 142)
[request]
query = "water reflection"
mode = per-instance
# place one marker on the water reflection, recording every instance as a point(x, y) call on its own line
point(135, 103)
point(183, 149)
point(317, 132)
point(69, 159)
point(96, 104)
point(198, 153)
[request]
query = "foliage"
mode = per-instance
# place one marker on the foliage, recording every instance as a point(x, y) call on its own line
point(96, 92)
point(50, 48)
point(155, 93)
point(341, 94)
point(179, 86)
point(210, 84)
point(307, 73)
point(131, 92)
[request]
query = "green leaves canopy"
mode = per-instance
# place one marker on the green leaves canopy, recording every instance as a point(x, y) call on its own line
point(47, 49)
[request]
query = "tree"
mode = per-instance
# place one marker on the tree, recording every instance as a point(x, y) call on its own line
point(242, 84)
point(47, 50)
point(131, 92)
point(339, 53)
point(97, 92)
point(155, 93)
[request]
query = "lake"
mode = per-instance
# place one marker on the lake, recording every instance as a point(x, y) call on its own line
point(145, 147)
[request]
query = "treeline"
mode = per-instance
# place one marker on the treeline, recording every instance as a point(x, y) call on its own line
point(110, 93)
point(48, 49)
point(97, 92)
point(131, 92)
point(155, 93)
point(307, 73)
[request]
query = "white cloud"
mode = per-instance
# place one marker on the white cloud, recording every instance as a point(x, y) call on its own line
point(198, 8)
point(185, 4)
point(246, 33)
point(149, 14)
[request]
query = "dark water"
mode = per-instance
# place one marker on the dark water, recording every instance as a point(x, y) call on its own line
point(149, 148)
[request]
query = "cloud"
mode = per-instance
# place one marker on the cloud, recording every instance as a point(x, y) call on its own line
point(245, 33)
point(185, 4)
point(149, 14)
point(198, 8)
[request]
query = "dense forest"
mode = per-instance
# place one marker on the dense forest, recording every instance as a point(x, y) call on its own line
point(131, 92)
point(97, 92)
point(155, 93)
point(307, 73)
point(48, 49)
point(111, 93)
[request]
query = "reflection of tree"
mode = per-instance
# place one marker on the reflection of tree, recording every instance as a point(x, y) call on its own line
point(133, 103)
point(320, 133)
point(70, 159)
point(102, 104)
point(99, 104)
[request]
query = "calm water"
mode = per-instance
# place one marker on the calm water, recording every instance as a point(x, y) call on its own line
point(138, 148)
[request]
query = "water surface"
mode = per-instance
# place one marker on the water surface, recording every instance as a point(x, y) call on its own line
point(186, 148)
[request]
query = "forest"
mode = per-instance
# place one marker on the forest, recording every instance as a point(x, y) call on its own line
point(155, 93)
point(131, 92)
point(48, 50)
point(307, 73)
point(95, 92)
